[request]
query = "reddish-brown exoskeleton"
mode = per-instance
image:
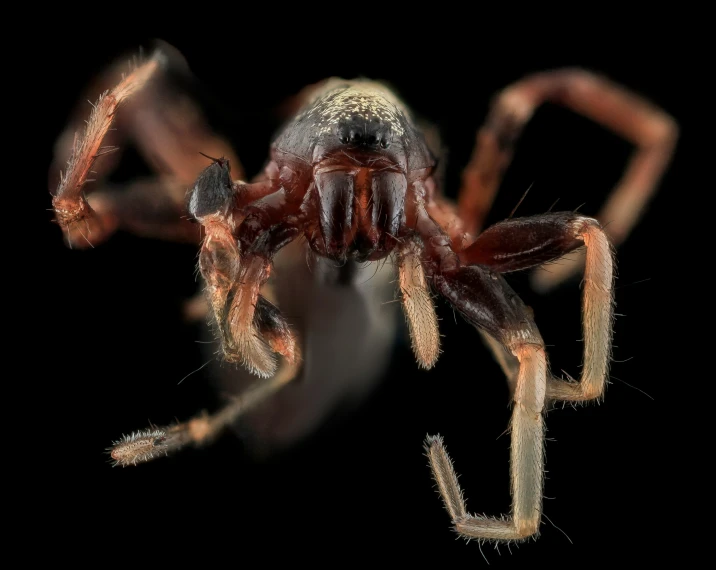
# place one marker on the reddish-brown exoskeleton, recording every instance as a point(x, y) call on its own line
point(353, 175)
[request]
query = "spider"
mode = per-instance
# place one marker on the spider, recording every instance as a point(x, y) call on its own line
point(352, 181)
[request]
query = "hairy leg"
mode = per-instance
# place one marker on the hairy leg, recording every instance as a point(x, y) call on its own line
point(526, 461)
point(418, 306)
point(242, 234)
point(485, 299)
point(652, 131)
point(145, 445)
point(522, 243)
point(481, 295)
point(444, 213)
point(146, 108)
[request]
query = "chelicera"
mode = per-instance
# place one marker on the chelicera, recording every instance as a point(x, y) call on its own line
point(351, 182)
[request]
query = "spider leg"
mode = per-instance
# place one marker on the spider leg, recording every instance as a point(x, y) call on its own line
point(197, 309)
point(145, 107)
point(485, 300)
point(145, 445)
point(242, 234)
point(472, 283)
point(526, 461)
point(445, 214)
point(522, 243)
point(148, 208)
point(509, 365)
point(234, 272)
point(652, 131)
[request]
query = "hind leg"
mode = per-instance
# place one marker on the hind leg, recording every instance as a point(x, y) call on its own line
point(650, 129)
point(143, 107)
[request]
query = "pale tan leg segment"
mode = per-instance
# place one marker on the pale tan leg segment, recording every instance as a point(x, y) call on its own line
point(145, 445)
point(597, 320)
point(527, 460)
point(418, 307)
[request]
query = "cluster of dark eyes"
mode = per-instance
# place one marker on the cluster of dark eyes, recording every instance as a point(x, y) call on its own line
point(356, 137)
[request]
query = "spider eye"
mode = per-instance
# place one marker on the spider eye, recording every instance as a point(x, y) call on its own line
point(365, 131)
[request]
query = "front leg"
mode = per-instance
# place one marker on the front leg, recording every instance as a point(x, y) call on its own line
point(235, 261)
point(487, 302)
point(523, 243)
point(482, 296)
point(485, 299)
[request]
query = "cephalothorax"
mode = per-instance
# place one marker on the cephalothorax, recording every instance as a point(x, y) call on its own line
point(351, 180)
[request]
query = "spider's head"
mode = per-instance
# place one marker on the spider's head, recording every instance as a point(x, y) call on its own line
point(360, 121)
point(356, 124)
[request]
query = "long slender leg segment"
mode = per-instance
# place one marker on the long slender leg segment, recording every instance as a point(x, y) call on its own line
point(522, 243)
point(652, 131)
point(508, 363)
point(597, 320)
point(526, 462)
point(147, 208)
point(145, 445)
point(485, 300)
point(150, 109)
point(69, 201)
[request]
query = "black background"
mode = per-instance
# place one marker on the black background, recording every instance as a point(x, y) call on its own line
point(119, 346)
